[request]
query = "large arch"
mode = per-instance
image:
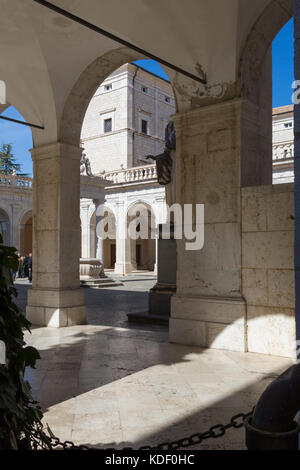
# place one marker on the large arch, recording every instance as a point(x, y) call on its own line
point(85, 88)
point(258, 44)
point(270, 317)
point(232, 136)
point(254, 85)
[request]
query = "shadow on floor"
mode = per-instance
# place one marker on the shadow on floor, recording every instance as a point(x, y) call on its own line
point(107, 351)
point(83, 363)
point(109, 307)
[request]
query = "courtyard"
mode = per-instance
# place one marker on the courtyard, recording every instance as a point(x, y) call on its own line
point(157, 144)
point(111, 383)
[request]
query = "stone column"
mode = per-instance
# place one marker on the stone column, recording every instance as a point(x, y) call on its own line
point(156, 256)
point(208, 309)
point(99, 239)
point(123, 243)
point(99, 249)
point(56, 298)
point(297, 175)
point(85, 228)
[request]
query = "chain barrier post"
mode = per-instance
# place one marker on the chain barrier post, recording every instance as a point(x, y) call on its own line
point(273, 425)
point(215, 432)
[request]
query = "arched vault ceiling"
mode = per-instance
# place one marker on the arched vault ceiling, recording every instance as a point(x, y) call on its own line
point(43, 54)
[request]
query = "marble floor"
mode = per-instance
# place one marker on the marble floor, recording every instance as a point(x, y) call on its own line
point(114, 384)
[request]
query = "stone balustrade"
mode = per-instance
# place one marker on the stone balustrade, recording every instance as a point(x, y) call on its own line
point(16, 182)
point(131, 175)
point(135, 174)
point(283, 151)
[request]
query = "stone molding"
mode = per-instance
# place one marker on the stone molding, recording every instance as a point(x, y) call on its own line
point(56, 149)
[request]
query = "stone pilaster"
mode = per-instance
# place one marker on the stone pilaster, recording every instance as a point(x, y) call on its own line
point(85, 228)
point(208, 309)
point(123, 243)
point(56, 298)
point(99, 239)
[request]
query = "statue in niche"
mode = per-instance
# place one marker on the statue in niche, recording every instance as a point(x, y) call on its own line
point(85, 165)
point(166, 164)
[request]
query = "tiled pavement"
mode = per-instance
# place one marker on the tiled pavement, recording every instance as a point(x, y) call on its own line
point(110, 383)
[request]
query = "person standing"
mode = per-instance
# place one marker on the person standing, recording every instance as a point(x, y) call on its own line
point(29, 264)
point(20, 267)
point(25, 266)
point(13, 275)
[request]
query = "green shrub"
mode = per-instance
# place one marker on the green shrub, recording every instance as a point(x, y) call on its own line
point(20, 415)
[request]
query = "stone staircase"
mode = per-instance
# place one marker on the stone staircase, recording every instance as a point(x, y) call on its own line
point(86, 281)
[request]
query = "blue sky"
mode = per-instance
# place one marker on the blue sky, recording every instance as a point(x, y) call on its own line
point(283, 76)
point(19, 136)
point(283, 65)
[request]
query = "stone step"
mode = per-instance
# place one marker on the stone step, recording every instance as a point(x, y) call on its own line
point(145, 317)
point(100, 283)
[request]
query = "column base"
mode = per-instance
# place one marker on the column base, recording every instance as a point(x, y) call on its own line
point(160, 299)
point(56, 308)
point(209, 322)
point(123, 268)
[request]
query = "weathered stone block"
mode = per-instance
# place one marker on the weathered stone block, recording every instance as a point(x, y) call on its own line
point(220, 139)
point(255, 286)
point(271, 331)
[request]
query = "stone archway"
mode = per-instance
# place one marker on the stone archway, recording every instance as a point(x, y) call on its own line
point(143, 249)
point(258, 44)
point(109, 242)
point(270, 317)
point(5, 227)
point(26, 233)
point(80, 96)
point(255, 87)
point(84, 89)
point(223, 299)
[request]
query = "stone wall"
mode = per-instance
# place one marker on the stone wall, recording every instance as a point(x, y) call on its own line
point(127, 105)
point(268, 268)
point(208, 309)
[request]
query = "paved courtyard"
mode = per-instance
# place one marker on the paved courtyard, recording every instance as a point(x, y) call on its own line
point(110, 383)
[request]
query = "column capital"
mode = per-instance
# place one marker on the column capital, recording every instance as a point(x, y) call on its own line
point(56, 149)
point(210, 113)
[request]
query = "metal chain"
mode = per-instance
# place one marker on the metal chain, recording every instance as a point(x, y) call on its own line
point(215, 432)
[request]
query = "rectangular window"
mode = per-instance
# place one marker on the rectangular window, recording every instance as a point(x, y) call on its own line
point(288, 124)
point(107, 125)
point(167, 99)
point(108, 87)
point(144, 89)
point(144, 126)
